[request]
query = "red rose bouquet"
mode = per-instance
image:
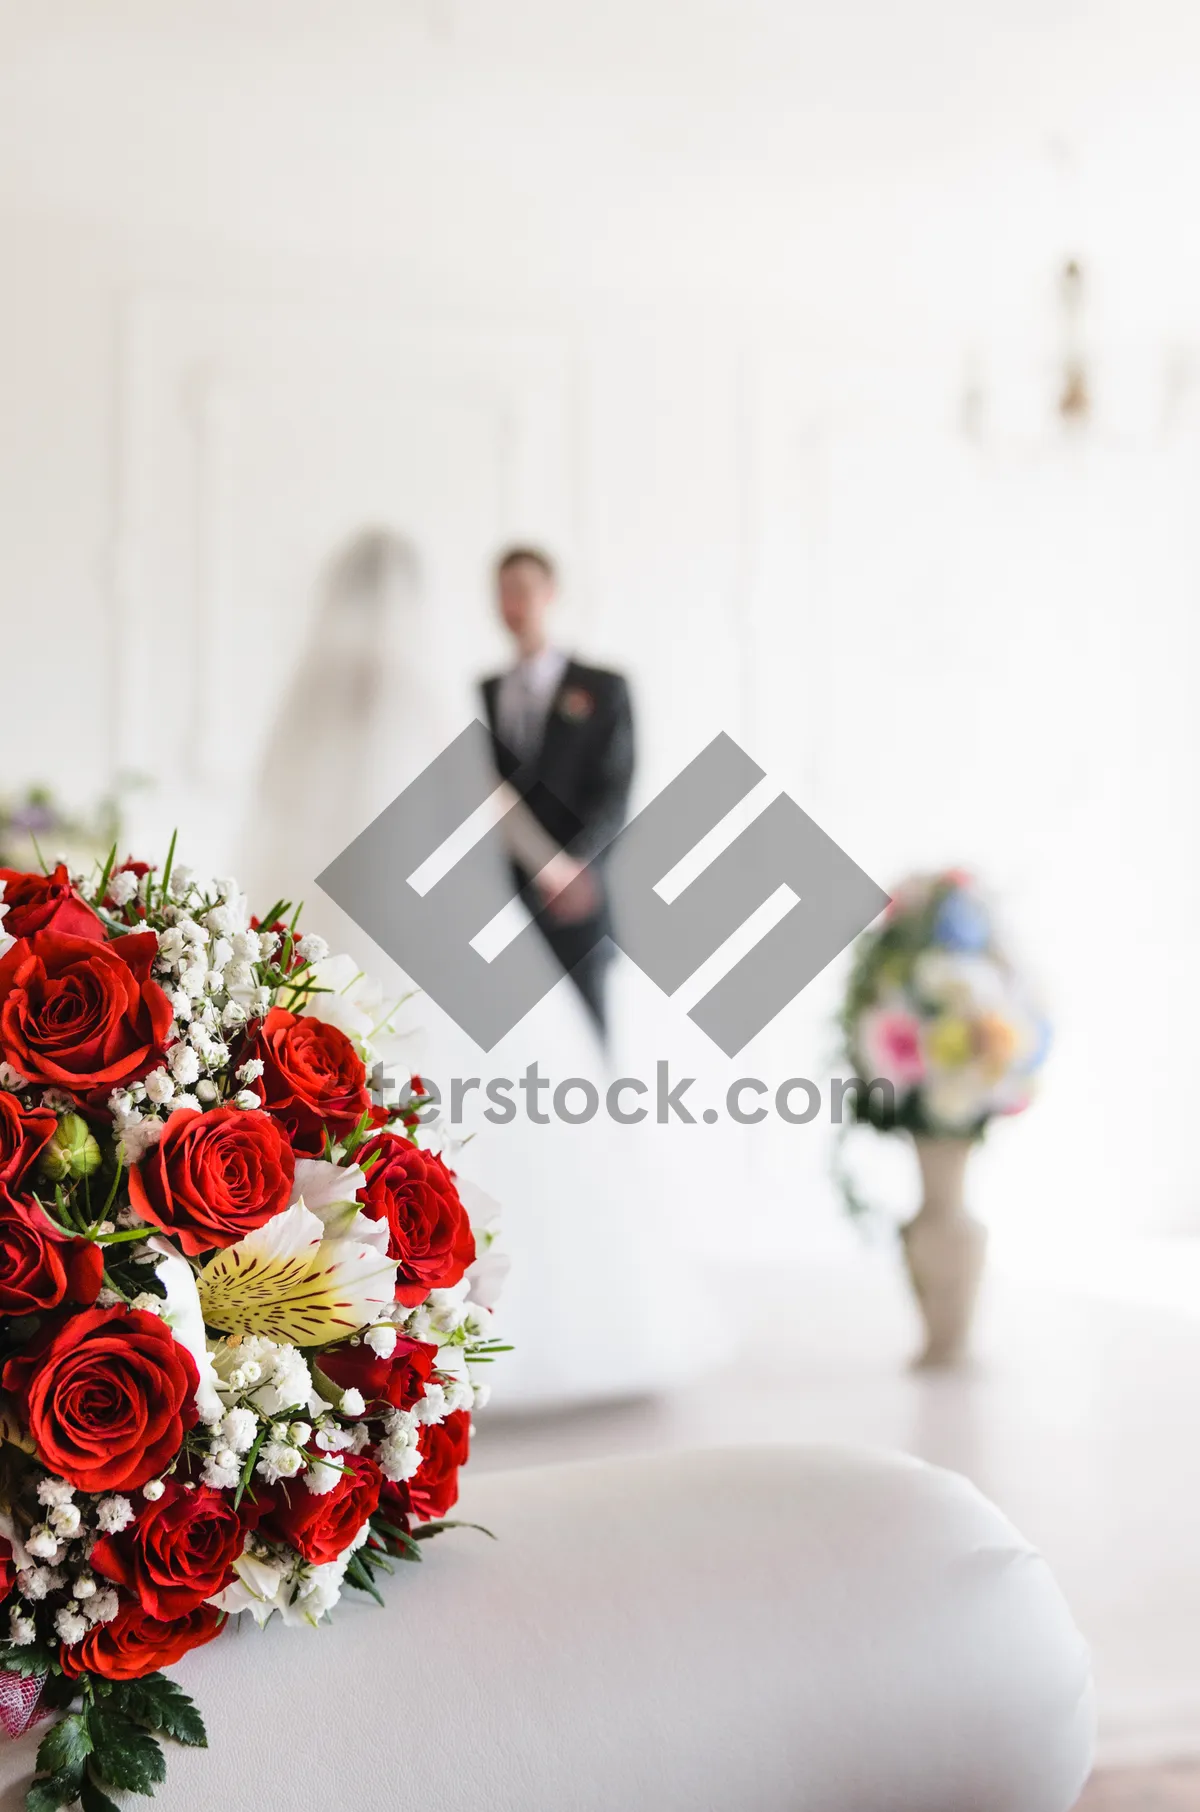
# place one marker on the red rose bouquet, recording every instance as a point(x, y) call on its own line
point(240, 1333)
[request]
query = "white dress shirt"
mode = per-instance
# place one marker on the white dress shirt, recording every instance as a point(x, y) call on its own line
point(525, 697)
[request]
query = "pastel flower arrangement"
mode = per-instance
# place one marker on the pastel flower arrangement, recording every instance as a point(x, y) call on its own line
point(935, 1019)
point(245, 1316)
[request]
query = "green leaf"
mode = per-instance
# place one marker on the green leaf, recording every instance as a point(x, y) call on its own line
point(125, 1756)
point(65, 1747)
point(267, 919)
point(159, 1703)
point(166, 875)
point(408, 1549)
point(54, 1790)
point(27, 1661)
point(93, 1800)
point(115, 1185)
point(248, 1468)
point(109, 865)
point(357, 1575)
point(425, 1530)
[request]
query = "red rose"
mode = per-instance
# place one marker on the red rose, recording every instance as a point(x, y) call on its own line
point(214, 1177)
point(394, 1508)
point(82, 1015)
point(417, 1096)
point(39, 1268)
point(321, 1528)
point(179, 1552)
point(24, 1133)
point(135, 1643)
point(106, 1397)
point(445, 1446)
point(8, 1572)
point(312, 1078)
point(42, 902)
point(399, 1380)
point(429, 1232)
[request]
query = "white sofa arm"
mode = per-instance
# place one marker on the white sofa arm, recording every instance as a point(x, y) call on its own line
point(747, 1630)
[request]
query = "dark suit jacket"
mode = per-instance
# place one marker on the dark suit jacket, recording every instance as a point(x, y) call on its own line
point(577, 785)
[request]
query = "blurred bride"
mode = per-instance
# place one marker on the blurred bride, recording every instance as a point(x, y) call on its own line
point(368, 709)
point(353, 719)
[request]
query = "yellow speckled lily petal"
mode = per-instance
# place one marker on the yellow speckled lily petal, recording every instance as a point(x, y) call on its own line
point(290, 1282)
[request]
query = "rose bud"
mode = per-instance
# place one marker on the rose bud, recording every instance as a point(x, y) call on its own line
point(72, 1152)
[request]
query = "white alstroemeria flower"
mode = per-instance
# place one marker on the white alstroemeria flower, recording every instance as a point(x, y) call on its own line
point(451, 1362)
point(352, 1001)
point(313, 1591)
point(184, 1317)
point(325, 1185)
point(329, 1191)
point(487, 1276)
point(255, 1589)
point(346, 1220)
point(290, 1281)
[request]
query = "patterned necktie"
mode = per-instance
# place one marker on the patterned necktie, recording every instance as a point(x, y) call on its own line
point(527, 715)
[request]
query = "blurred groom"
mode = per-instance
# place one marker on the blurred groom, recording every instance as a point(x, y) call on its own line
point(562, 736)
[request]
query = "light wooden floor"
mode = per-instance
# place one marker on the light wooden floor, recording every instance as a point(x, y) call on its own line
point(1144, 1790)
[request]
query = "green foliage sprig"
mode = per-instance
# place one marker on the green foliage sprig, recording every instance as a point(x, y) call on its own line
point(111, 1740)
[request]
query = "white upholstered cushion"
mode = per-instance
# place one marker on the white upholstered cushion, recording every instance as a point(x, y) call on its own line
point(755, 1630)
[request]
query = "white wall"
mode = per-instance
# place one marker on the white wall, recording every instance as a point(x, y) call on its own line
point(691, 293)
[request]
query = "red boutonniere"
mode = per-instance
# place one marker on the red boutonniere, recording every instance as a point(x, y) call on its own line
point(576, 705)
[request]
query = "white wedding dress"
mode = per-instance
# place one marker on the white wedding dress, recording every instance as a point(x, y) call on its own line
point(594, 1303)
